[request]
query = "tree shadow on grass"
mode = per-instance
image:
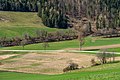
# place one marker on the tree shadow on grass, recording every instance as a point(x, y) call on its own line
point(113, 62)
point(93, 50)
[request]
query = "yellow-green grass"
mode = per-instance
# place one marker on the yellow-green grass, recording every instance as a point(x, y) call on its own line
point(67, 44)
point(13, 19)
point(14, 24)
point(102, 72)
point(21, 31)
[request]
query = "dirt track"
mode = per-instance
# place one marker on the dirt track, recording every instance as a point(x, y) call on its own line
point(97, 47)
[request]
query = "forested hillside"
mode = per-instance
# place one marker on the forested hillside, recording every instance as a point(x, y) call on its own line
point(19, 5)
point(62, 13)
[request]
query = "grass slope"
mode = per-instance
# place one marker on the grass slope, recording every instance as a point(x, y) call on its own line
point(67, 44)
point(19, 23)
point(102, 72)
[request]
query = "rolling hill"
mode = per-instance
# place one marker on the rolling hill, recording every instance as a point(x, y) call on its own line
point(14, 24)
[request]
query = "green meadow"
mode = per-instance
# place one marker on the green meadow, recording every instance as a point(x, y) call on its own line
point(67, 44)
point(16, 24)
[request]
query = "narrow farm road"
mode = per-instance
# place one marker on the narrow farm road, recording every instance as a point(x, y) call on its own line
point(96, 47)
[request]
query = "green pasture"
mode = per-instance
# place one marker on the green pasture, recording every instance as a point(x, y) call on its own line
point(67, 44)
point(16, 24)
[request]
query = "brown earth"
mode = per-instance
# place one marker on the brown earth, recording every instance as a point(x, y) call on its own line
point(45, 63)
point(52, 63)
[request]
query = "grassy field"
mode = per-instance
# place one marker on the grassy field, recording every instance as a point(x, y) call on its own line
point(14, 24)
point(103, 72)
point(114, 49)
point(13, 19)
point(67, 44)
point(110, 50)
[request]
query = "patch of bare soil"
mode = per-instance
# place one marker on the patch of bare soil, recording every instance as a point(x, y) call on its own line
point(52, 63)
point(7, 56)
point(3, 19)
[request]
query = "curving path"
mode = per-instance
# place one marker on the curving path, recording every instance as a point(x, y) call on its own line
point(96, 47)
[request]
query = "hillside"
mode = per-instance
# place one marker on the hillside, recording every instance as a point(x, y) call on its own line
point(13, 19)
point(58, 13)
point(14, 24)
point(105, 13)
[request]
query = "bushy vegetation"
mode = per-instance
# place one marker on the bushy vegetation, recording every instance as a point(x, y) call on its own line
point(104, 56)
point(42, 36)
point(71, 66)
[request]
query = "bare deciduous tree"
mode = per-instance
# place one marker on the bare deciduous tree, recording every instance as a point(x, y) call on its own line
point(103, 56)
point(81, 39)
point(45, 45)
point(82, 28)
point(23, 43)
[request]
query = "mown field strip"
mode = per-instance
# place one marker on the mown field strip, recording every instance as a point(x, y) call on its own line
point(32, 51)
point(49, 51)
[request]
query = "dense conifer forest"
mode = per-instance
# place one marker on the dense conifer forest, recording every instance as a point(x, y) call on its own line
point(19, 5)
point(61, 13)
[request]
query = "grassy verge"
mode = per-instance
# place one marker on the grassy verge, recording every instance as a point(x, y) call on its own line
point(5, 53)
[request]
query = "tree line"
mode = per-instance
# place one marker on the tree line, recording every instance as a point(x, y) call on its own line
point(42, 37)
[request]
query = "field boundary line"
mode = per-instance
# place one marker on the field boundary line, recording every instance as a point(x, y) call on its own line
point(49, 51)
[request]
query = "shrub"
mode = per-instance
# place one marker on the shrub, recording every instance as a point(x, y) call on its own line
point(71, 66)
point(94, 63)
point(0, 63)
